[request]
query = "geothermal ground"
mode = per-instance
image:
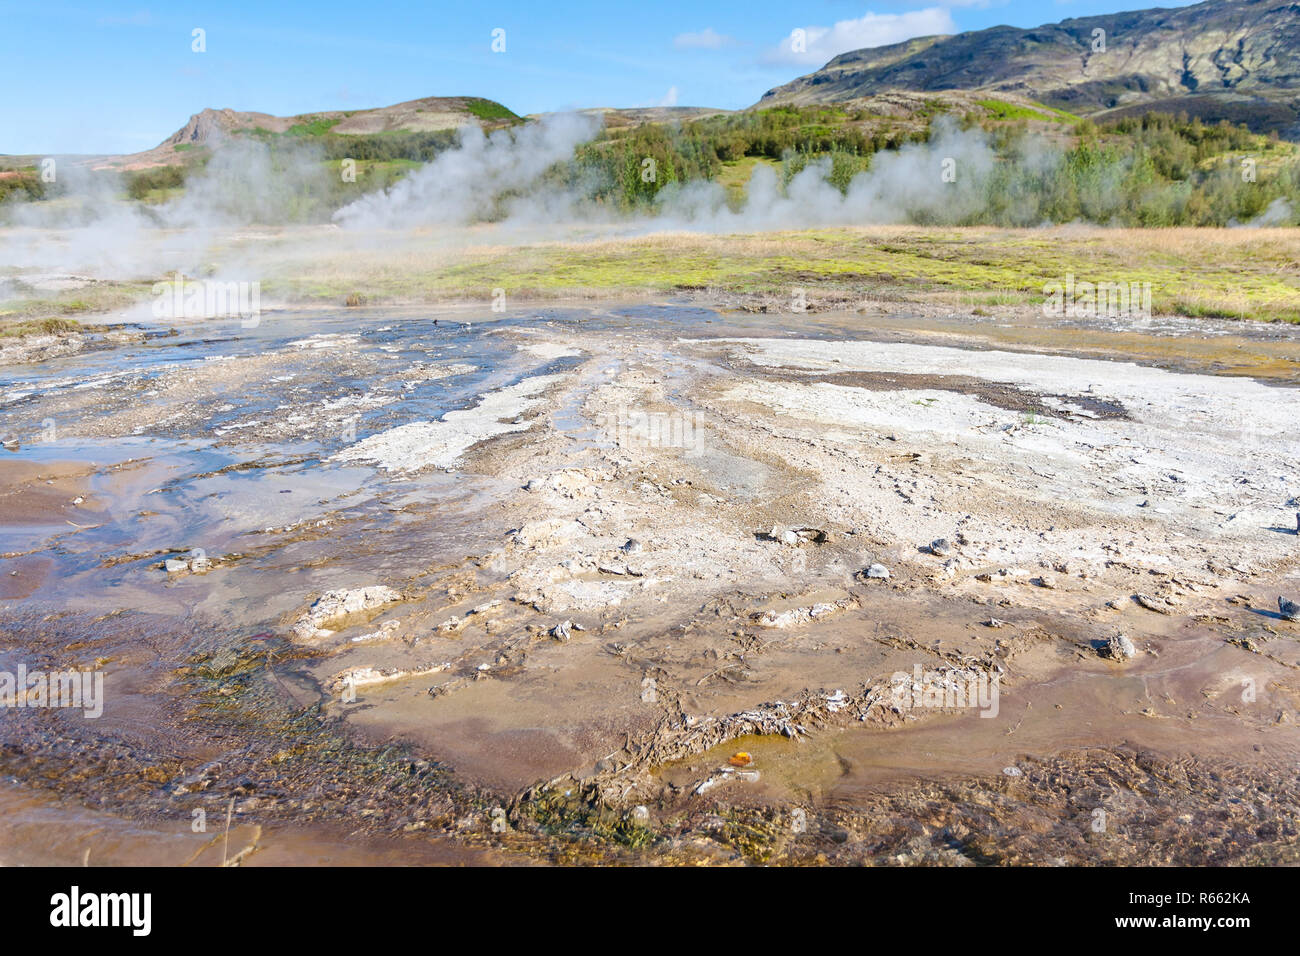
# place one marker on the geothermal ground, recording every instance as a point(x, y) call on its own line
point(660, 582)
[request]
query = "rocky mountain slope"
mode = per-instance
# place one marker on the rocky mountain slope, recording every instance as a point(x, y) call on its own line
point(429, 114)
point(1233, 59)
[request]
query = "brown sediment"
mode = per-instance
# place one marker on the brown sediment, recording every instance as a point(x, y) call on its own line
point(22, 576)
point(43, 494)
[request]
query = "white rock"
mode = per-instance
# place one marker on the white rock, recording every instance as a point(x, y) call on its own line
point(1120, 648)
point(333, 607)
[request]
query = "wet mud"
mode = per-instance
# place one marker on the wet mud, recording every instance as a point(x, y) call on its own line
point(642, 621)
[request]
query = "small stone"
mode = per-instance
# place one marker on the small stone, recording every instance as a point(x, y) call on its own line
point(1151, 604)
point(994, 622)
point(1288, 609)
point(633, 546)
point(940, 547)
point(1120, 648)
point(1013, 771)
point(562, 631)
point(176, 565)
point(1046, 581)
point(878, 571)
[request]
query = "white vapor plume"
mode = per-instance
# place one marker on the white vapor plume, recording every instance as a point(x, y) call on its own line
point(941, 180)
point(91, 229)
point(483, 178)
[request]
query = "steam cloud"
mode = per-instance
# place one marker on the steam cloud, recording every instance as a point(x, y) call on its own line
point(471, 182)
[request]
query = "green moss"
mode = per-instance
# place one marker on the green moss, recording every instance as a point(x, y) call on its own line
point(99, 297)
point(315, 127)
point(490, 110)
point(48, 326)
point(1002, 110)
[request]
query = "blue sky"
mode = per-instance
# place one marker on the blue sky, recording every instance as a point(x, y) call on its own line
point(105, 78)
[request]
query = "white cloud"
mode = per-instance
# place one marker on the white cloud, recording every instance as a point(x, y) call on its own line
point(706, 39)
point(874, 29)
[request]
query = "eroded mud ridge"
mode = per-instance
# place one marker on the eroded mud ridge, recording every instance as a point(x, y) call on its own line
point(653, 583)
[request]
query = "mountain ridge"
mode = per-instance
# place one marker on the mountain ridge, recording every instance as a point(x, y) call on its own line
point(1222, 56)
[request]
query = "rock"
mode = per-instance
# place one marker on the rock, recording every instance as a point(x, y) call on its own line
point(802, 615)
point(1288, 609)
point(365, 675)
point(1046, 581)
point(1120, 648)
point(540, 534)
point(387, 631)
point(562, 631)
point(633, 546)
point(940, 548)
point(176, 565)
point(878, 572)
point(795, 535)
point(334, 607)
point(1151, 604)
point(994, 622)
point(201, 565)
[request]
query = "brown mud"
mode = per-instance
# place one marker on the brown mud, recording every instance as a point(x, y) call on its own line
point(659, 564)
